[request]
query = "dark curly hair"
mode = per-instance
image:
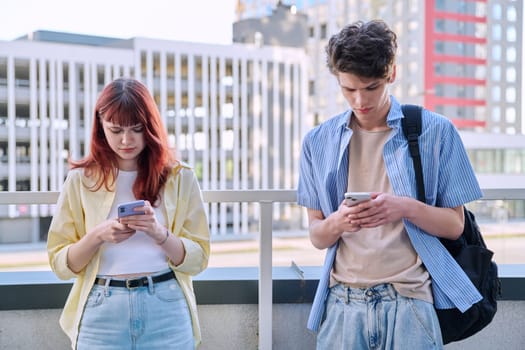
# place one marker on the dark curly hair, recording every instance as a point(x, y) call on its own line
point(366, 49)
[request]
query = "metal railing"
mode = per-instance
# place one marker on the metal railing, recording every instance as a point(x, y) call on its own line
point(266, 200)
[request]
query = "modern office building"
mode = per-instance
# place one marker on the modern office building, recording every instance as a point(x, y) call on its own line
point(459, 58)
point(462, 59)
point(236, 113)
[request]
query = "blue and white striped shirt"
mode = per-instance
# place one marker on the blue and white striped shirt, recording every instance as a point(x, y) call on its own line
point(449, 182)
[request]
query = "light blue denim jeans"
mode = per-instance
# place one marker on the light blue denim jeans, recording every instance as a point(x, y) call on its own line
point(377, 318)
point(152, 317)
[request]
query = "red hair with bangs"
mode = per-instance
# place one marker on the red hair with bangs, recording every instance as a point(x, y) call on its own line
point(127, 102)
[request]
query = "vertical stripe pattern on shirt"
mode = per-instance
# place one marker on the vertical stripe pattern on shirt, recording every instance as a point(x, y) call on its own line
point(449, 182)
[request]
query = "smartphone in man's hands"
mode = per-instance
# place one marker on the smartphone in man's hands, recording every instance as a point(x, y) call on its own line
point(127, 209)
point(354, 198)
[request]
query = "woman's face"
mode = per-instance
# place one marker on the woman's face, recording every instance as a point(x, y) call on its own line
point(126, 141)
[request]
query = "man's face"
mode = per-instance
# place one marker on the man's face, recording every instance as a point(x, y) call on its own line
point(368, 97)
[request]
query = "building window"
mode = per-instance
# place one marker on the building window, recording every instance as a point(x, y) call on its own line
point(511, 34)
point(496, 31)
point(438, 68)
point(3, 152)
point(511, 54)
point(511, 75)
point(496, 93)
point(511, 14)
point(510, 130)
point(22, 152)
point(438, 90)
point(439, 47)
point(496, 52)
point(480, 93)
point(510, 115)
point(496, 114)
point(440, 25)
point(496, 73)
point(480, 72)
point(324, 31)
point(311, 87)
point(23, 185)
point(461, 92)
point(510, 95)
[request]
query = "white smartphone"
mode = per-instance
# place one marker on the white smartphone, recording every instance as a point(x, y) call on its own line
point(126, 209)
point(354, 198)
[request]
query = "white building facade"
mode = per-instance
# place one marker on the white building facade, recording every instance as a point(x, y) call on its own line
point(463, 59)
point(236, 113)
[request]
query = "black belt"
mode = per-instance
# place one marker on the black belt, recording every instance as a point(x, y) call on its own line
point(135, 282)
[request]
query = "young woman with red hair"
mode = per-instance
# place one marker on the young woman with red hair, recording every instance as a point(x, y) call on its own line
point(133, 287)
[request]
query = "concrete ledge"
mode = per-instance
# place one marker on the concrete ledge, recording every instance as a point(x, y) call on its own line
point(235, 327)
point(31, 303)
point(215, 286)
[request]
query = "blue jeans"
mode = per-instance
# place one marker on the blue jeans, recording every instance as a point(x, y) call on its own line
point(151, 317)
point(377, 318)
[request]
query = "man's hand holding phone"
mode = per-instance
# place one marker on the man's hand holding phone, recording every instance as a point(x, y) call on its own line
point(351, 200)
point(354, 198)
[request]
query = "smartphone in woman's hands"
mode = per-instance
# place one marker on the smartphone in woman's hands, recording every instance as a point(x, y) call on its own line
point(127, 209)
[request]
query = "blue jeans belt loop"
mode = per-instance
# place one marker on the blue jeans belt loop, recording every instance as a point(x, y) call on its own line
point(151, 285)
point(106, 287)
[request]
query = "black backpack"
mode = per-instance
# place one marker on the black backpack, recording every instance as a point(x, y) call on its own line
point(469, 251)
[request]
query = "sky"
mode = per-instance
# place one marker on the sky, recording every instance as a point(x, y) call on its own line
point(204, 21)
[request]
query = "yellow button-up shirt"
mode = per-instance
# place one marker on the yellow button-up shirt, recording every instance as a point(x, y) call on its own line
point(79, 210)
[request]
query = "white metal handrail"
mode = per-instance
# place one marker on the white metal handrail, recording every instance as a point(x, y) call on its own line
point(230, 196)
point(266, 199)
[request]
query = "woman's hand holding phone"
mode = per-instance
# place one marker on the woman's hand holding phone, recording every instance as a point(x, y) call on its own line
point(128, 208)
point(143, 220)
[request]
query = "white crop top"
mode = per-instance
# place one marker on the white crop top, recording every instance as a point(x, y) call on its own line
point(138, 254)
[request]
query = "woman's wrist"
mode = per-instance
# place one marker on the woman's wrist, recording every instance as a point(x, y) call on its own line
point(165, 238)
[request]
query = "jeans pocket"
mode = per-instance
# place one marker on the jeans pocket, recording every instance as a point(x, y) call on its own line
point(95, 298)
point(169, 291)
point(423, 317)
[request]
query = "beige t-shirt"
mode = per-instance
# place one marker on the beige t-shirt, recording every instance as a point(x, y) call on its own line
point(382, 254)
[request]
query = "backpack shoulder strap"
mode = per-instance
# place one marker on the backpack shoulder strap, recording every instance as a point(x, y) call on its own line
point(411, 124)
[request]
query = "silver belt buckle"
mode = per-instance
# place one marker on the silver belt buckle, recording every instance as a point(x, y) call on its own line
point(128, 286)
